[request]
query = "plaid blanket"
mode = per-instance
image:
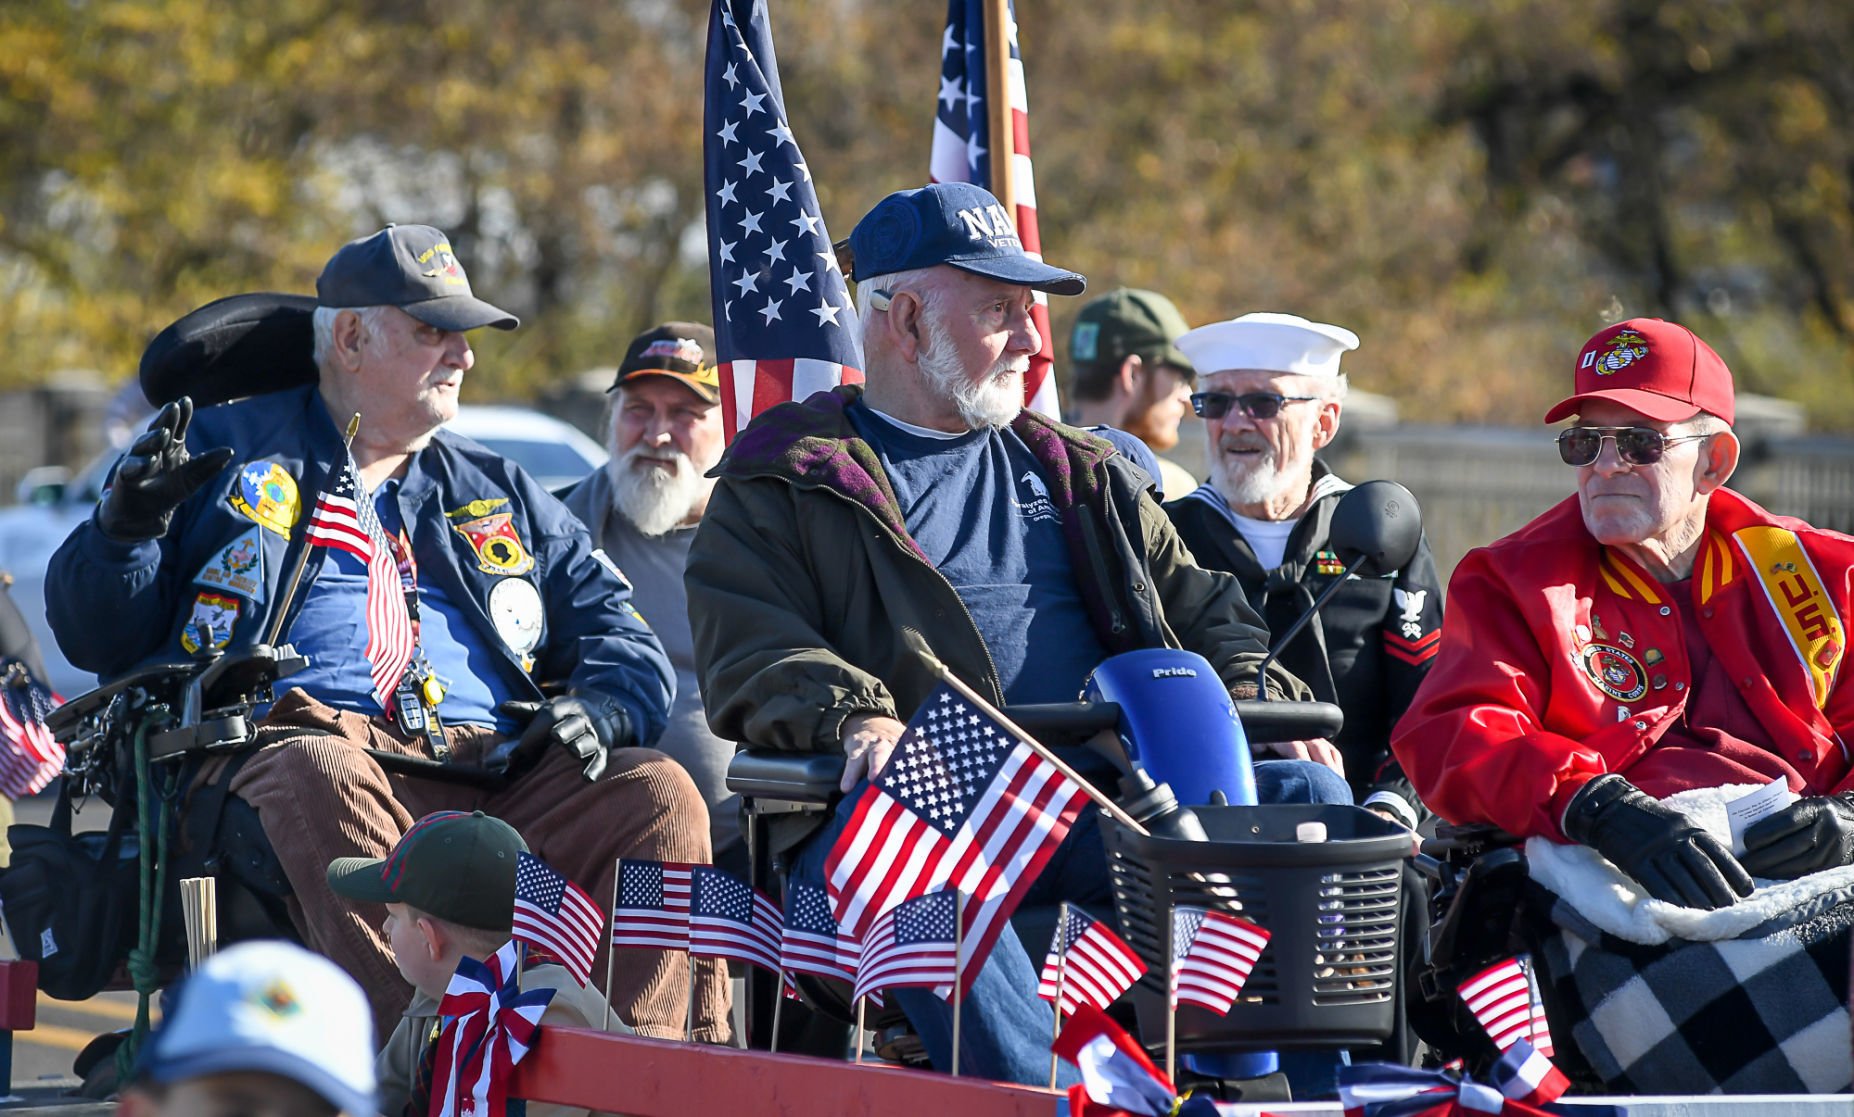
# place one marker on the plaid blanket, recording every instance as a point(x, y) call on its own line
point(1764, 1012)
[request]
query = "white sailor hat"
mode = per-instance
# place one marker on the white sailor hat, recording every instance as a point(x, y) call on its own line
point(1270, 343)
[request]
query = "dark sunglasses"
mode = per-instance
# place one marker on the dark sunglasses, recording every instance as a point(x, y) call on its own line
point(1580, 446)
point(1256, 405)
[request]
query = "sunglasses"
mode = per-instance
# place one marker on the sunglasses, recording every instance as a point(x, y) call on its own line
point(1580, 446)
point(1256, 405)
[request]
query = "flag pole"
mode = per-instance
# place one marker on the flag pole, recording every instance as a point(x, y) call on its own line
point(1062, 973)
point(959, 917)
point(998, 104)
point(1100, 797)
point(1171, 1000)
point(860, 1002)
point(611, 949)
point(688, 1023)
point(282, 606)
point(778, 1007)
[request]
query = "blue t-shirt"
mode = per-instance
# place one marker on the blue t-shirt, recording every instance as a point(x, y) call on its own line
point(977, 505)
point(331, 630)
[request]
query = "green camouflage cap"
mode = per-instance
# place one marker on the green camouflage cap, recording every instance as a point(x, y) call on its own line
point(1129, 323)
point(459, 867)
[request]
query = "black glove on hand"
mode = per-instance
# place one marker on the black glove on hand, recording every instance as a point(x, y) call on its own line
point(1805, 837)
point(156, 476)
point(587, 728)
point(1661, 848)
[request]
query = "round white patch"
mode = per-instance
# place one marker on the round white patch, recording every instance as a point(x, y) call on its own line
point(515, 609)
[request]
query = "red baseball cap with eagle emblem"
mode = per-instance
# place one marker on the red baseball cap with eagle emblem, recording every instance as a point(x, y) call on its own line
point(1658, 368)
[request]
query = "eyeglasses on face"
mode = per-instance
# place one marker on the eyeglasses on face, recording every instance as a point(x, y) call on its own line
point(1580, 446)
point(1256, 405)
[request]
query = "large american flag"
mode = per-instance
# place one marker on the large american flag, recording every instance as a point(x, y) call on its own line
point(30, 757)
point(555, 915)
point(1087, 962)
point(963, 147)
point(653, 905)
point(344, 519)
point(1212, 954)
point(811, 942)
point(1504, 997)
point(727, 919)
point(913, 943)
point(784, 326)
point(962, 804)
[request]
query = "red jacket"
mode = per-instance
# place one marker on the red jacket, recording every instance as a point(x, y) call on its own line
point(1562, 659)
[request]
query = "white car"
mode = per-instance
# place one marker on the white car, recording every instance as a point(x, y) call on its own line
point(555, 453)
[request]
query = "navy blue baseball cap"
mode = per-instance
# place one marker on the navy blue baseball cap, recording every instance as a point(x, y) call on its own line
point(413, 268)
point(953, 223)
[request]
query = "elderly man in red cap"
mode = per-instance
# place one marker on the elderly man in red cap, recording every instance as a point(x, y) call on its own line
point(1655, 633)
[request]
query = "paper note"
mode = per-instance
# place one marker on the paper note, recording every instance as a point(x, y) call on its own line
point(1748, 808)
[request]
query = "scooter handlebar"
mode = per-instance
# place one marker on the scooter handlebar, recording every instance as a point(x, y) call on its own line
point(1063, 723)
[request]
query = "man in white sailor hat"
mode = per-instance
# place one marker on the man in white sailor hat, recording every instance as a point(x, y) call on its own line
point(1270, 392)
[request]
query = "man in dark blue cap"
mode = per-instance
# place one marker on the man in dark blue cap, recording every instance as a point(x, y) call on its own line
point(441, 587)
point(858, 536)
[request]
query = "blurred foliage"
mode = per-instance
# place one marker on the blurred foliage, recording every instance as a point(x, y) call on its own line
point(1472, 185)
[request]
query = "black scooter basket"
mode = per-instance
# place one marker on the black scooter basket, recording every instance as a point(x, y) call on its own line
point(1328, 977)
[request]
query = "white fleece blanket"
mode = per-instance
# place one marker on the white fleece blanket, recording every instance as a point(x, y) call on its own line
point(1617, 905)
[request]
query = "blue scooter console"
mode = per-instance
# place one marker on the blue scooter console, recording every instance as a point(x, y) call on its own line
point(1178, 723)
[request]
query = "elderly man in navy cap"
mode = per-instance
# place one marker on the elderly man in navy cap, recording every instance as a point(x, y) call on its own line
point(1271, 394)
point(440, 587)
point(858, 538)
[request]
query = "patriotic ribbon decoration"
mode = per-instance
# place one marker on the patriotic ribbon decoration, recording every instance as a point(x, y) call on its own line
point(1524, 1081)
point(1118, 1078)
point(490, 1026)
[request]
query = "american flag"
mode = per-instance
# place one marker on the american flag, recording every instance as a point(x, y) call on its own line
point(811, 941)
point(1505, 999)
point(913, 943)
point(727, 919)
point(962, 804)
point(30, 757)
point(1090, 963)
point(344, 519)
point(653, 905)
point(1212, 954)
point(963, 146)
point(555, 915)
point(784, 326)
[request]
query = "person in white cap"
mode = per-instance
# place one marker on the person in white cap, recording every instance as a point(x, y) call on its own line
point(262, 1028)
point(1271, 393)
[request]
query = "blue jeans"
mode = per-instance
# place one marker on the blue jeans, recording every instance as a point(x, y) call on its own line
point(1005, 1027)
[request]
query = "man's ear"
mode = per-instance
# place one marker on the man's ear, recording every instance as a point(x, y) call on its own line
point(1127, 379)
point(437, 937)
point(1718, 460)
point(906, 323)
point(348, 334)
point(1326, 423)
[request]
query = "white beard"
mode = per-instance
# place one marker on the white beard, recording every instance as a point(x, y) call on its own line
point(991, 402)
point(1258, 482)
point(653, 498)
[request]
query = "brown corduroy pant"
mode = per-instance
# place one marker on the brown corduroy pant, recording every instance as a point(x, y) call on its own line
point(319, 797)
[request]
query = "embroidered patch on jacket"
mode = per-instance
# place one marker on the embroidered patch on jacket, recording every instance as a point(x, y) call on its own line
point(266, 495)
point(238, 568)
point(210, 623)
point(1614, 671)
point(498, 549)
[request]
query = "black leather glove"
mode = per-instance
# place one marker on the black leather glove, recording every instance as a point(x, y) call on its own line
point(156, 476)
point(1661, 848)
point(586, 727)
point(1805, 837)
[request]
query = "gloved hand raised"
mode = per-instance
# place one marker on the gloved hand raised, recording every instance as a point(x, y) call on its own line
point(1805, 837)
point(587, 728)
point(156, 476)
point(1662, 849)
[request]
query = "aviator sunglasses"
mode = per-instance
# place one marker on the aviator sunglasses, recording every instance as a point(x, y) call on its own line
point(1256, 405)
point(1580, 446)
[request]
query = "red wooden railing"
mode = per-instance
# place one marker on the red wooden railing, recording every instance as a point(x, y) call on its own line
point(659, 1078)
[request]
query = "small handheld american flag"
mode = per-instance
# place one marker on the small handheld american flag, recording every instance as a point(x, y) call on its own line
point(916, 942)
point(1212, 954)
point(555, 915)
point(344, 519)
point(30, 757)
point(1090, 963)
point(811, 941)
point(653, 905)
point(727, 919)
point(1505, 999)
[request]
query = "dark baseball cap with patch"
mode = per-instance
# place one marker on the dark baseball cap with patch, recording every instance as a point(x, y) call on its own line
point(457, 866)
point(413, 268)
point(953, 223)
point(682, 351)
point(1126, 323)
